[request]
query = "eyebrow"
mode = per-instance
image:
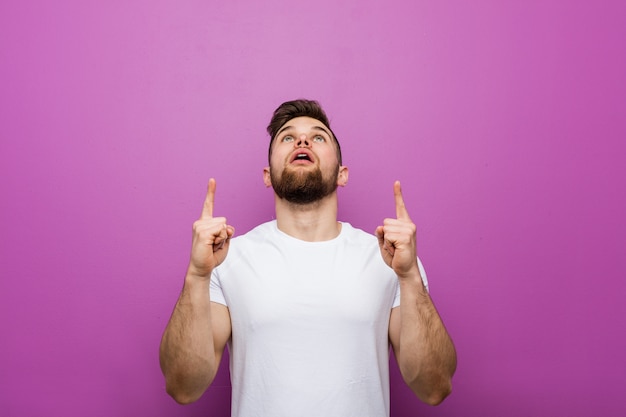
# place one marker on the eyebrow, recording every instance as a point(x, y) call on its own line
point(312, 128)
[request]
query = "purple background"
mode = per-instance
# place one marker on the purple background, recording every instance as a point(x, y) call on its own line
point(505, 122)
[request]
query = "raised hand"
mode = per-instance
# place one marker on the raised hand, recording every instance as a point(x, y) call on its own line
point(211, 238)
point(396, 238)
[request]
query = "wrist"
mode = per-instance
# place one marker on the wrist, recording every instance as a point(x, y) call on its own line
point(410, 275)
point(194, 275)
point(412, 282)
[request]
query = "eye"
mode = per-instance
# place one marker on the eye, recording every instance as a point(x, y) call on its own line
point(319, 139)
point(288, 138)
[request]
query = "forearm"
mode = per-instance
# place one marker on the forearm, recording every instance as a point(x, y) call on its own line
point(187, 354)
point(425, 353)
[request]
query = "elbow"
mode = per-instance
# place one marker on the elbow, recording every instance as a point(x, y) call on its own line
point(432, 391)
point(183, 390)
point(434, 385)
point(182, 396)
point(436, 396)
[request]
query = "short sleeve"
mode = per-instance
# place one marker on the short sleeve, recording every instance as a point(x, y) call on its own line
point(423, 273)
point(215, 290)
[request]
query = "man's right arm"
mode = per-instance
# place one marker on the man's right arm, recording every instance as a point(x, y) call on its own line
point(195, 337)
point(193, 342)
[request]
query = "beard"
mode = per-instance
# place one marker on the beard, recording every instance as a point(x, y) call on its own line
point(301, 188)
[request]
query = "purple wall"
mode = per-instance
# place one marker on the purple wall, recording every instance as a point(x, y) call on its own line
point(505, 121)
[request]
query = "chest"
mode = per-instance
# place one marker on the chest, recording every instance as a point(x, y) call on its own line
point(342, 288)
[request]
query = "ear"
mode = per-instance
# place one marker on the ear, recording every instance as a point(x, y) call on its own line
point(267, 179)
point(342, 177)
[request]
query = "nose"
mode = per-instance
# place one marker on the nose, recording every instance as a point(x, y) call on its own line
point(302, 141)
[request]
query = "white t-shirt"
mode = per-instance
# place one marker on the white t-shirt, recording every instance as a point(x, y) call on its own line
point(309, 324)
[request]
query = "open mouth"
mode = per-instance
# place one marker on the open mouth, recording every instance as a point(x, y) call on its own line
point(301, 158)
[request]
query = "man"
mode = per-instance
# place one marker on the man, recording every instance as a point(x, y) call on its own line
point(307, 305)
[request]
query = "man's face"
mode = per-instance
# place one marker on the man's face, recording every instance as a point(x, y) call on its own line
point(303, 163)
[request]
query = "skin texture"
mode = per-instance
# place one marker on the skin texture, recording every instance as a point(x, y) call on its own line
point(198, 330)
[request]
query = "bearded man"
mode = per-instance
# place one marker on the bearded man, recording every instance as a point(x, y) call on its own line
point(307, 305)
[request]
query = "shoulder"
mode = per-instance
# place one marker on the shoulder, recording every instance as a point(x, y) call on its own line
point(259, 233)
point(361, 246)
point(355, 235)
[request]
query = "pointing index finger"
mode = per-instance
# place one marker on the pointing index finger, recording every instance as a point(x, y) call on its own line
point(401, 212)
point(207, 209)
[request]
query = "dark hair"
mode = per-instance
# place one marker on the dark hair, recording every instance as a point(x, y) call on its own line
point(298, 108)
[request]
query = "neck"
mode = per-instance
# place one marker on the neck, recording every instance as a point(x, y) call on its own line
point(314, 222)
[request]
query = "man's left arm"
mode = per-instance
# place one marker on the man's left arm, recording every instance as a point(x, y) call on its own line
point(425, 353)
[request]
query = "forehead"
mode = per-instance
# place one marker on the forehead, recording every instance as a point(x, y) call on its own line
point(303, 123)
